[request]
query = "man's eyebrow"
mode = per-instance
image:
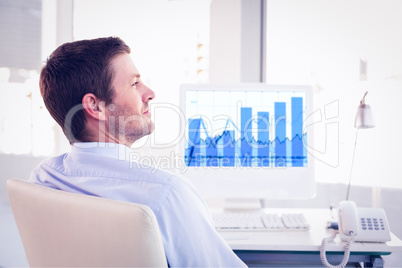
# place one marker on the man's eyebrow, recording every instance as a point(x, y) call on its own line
point(133, 76)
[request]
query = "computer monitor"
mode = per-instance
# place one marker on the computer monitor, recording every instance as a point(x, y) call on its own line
point(248, 140)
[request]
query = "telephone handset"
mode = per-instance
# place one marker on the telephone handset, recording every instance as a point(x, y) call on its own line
point(347, 220)
point(357, 225)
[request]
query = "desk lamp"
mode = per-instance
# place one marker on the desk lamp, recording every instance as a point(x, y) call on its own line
point(363, 120)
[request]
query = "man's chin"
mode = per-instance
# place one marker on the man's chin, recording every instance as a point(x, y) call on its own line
point(151, 127)
point(134, 137)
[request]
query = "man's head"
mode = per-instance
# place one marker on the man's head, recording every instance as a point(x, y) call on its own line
point(94, 92)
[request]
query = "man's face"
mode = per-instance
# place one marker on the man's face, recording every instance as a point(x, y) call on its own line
point(129, 117)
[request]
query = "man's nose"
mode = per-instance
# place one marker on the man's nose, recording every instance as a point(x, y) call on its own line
point(148, 95)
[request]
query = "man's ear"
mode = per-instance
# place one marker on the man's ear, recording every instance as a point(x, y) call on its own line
point(93, 107)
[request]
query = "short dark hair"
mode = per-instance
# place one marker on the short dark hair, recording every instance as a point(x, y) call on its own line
point(73, 70)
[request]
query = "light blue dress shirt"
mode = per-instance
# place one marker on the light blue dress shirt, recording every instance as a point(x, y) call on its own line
point(105, 170)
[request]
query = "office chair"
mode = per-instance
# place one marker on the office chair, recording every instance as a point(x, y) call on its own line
point(59, 228)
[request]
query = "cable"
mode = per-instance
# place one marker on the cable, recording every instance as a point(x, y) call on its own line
point(346, 249)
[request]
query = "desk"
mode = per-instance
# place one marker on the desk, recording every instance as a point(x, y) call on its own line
point(298, 248)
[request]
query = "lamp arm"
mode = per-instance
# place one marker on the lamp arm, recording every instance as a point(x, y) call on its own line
point(353, 161)
point(363, 101)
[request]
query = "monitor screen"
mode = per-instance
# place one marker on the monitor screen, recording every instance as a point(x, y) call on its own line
point(248, 140)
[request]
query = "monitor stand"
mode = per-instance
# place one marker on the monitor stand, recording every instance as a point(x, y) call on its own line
point(242, 204)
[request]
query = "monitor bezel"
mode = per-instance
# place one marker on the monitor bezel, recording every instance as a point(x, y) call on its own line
point(251, 182)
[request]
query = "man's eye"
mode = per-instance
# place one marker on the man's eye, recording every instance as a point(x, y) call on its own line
point(134, 84)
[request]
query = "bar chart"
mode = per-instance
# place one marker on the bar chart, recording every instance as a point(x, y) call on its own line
point(247, 128)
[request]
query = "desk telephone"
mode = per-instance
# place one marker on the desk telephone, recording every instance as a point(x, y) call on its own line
point(356, 225)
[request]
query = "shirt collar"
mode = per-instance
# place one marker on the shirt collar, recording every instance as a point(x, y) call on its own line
point(114, 150)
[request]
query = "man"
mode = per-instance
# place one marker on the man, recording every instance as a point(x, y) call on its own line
point(94, 91)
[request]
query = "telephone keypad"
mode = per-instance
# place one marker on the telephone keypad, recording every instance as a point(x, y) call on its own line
point(372, 224)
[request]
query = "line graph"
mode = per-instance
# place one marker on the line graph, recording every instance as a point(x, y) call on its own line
point(252, 129)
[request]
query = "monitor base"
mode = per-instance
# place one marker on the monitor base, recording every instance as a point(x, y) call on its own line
point(241, 204)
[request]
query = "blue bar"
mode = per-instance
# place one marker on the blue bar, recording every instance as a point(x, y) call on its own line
point(297, 116)
point(263, 138)
point(246, 136)
point(304, 150)
point(193, 151)
point(211, 152)
point(280, 130)
point(297, 131)
point(228, 137)
point(246, 123)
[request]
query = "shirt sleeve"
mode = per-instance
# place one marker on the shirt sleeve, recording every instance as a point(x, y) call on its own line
point(189, 238)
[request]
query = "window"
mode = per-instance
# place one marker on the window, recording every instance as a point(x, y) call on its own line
point(25, 125)
point(169, 41)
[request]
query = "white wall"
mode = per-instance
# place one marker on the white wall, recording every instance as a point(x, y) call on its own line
point(321, 43)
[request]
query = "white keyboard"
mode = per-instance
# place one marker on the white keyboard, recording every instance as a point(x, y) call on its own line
point(260, 221)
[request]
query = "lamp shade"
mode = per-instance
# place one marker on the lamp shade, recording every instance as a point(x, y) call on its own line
point(364, 117)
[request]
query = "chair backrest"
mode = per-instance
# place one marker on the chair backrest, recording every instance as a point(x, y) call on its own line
point(59, 228)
